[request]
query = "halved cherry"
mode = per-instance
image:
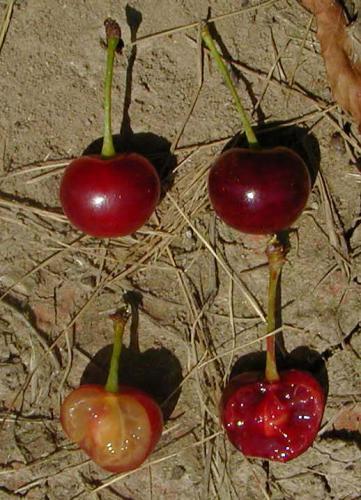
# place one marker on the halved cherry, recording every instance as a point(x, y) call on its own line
point(117, 426)
point(275, 420)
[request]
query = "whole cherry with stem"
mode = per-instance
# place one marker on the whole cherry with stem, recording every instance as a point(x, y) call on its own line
point(255, 190)
point(110, 194)
point(117, 426)
point(272, 415)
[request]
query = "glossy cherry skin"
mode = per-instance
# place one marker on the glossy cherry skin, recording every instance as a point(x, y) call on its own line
point(275, 421)
point(117, 430)
point(109, 197)
point(259, 191)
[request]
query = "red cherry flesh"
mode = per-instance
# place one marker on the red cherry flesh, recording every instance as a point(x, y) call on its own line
point(259, 191)
point(273, 420)
point(109, 197)
point(117, 430)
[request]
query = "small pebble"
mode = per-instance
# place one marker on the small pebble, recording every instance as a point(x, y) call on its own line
point(338, 143)
point(178, 472)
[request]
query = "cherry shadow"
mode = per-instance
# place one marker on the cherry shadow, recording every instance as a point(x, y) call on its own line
point(156, 371)
point(301, 358)
point(297, 138)
point(155, 148)
point(343, 435)
point(236, 74)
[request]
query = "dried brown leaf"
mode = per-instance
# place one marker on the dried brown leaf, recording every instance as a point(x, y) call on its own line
point(341, 60)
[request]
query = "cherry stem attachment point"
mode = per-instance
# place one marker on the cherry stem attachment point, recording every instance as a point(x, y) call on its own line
point(209, 42)
point(120, 319)
point(113, 37)
point(275, 252)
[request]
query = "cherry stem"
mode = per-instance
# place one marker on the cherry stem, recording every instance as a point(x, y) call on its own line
point(119, 321)
point(250, 135)
point(275, 252)
point(113, 38)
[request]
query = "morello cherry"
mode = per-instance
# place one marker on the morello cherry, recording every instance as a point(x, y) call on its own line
point(117, 426)
point(111, 194)
point(275, 420)
point(259, 191)
point(254, 190)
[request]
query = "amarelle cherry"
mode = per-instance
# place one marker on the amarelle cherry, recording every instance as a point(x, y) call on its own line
point(117, 426)
point(111, 194)
point(256, 190)
point(273, 415)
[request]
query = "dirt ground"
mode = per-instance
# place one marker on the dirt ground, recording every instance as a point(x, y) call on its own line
point(200, 281)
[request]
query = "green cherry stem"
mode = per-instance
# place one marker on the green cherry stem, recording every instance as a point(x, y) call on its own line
point(119, 321)
point(209, 42)
point(275, 252)
point(113, 36)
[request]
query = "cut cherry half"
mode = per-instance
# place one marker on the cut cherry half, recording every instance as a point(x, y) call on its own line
point(273, 420)
point(117, 426)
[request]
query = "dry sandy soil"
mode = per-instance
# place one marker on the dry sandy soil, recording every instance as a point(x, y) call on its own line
point(58, 286)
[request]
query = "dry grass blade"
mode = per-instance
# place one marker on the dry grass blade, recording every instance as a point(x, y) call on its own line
point(22, 317)
point(269, 76)
point(69, 345)
point(117, 478)
point(38, 211)
point(252, 301)
point(6, 21)
point(334, 227)
point(239, 348)
point(233, 331)
point(57, 340)
point(42, 264)
point(44, 175)
point(303, 43)
point(37, 167)
point(195, 97)
point(178, 29)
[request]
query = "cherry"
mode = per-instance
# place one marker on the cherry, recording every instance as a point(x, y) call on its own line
point(256, 190)
point(117, 426)
point(274, 415)
point(108, 198)
point(111, 194)
point(274, 420)
point(259, 191)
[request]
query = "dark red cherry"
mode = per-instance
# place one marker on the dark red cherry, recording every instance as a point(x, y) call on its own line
point(259, 191)
point(109, 197)
point(111, 194)
point(273, 420)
